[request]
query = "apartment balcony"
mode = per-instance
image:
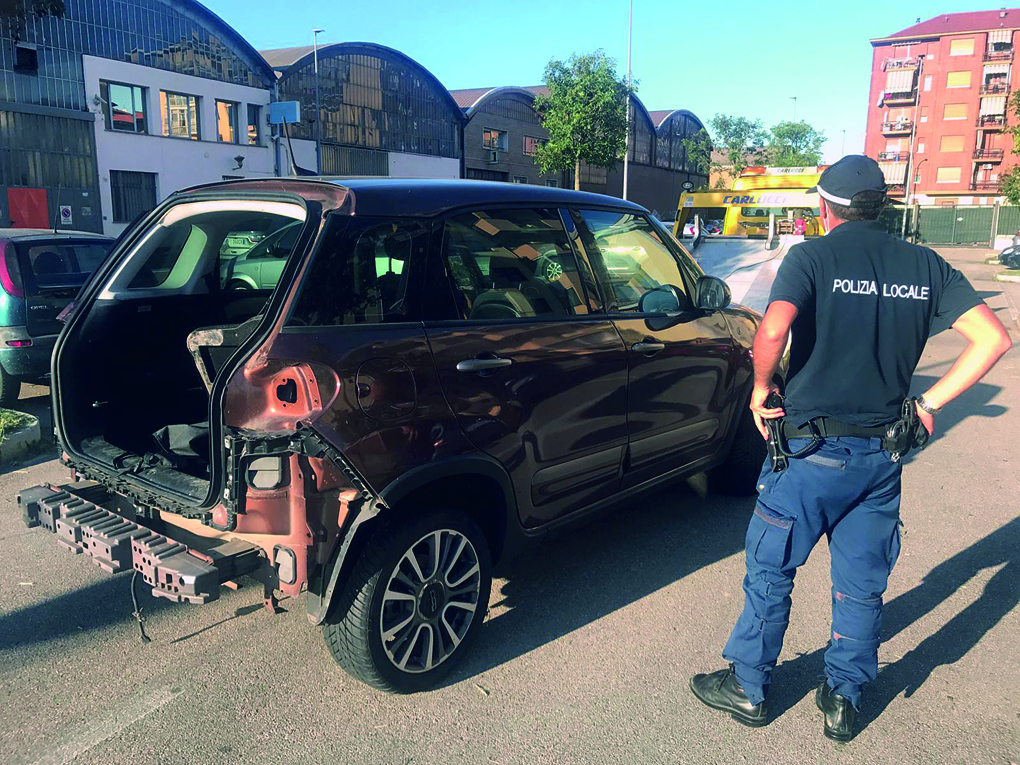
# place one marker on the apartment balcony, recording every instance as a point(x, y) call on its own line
point(989, 155)
point(899, 63)
point(892, 156)
point(991, 121)
point(999, 55)
point(984, 186)
point(899, 99)
point(995, 88)
point(897, 128)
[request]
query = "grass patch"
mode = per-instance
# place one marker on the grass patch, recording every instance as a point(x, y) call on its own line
point(9, 422)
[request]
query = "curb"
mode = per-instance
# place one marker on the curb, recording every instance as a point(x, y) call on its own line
point(1004, 277)
point(21, 442)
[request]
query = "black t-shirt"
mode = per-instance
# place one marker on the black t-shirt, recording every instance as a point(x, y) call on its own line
point(866, 305)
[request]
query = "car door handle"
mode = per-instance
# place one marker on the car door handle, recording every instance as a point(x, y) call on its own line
point(483, 365)
point(648, 347)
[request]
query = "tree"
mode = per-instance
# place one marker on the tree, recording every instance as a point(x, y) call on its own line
point(585, 113)
point(1009, 181)
point(738, 140)
point(794, 144)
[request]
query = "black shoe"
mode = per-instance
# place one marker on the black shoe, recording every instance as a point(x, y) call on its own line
point(721, 690)
point(840, 715)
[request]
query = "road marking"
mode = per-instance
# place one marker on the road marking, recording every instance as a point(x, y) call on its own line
point(71, 741)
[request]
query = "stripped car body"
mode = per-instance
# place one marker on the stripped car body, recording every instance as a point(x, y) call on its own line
point(444, 372)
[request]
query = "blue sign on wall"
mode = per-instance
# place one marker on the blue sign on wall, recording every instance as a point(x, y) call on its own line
point(284, 111)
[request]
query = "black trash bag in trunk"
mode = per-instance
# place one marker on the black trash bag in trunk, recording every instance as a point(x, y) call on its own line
point(186, 447)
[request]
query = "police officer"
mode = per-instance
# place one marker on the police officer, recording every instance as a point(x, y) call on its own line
point(860, 304)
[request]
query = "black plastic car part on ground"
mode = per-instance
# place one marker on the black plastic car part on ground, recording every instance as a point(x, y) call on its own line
point(443, 372)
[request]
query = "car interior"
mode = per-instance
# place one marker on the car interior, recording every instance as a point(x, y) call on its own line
point(163, 309)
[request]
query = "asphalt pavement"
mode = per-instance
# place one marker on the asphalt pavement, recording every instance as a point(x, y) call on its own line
point(586, 651)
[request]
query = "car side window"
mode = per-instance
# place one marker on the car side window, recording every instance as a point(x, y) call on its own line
point(361, 275)
point(630, 258)
point(512, 264)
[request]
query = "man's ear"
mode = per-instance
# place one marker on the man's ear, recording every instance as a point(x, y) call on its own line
point(822, 209)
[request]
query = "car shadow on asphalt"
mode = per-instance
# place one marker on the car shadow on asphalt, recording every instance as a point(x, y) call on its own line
point(623, 555)
point(796, 678)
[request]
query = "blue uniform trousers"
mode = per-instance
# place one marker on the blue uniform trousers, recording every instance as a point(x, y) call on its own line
point(849, 490)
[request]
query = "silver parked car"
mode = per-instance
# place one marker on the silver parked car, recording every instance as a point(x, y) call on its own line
point(259, 268)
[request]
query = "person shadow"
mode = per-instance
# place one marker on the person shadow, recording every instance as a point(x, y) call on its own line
point(798, 677)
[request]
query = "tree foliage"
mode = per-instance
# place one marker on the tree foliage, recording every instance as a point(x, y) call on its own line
point(1009, 180)
point(733, 144)
point(585, 113)
point(794, 144)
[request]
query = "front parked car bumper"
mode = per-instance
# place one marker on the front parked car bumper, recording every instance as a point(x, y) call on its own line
point(30, 361)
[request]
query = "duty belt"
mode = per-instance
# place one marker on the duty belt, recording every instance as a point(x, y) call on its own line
point(829, 428)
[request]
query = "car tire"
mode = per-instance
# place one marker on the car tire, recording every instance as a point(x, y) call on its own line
point(384, 628)
point(238, 286)
point(738, 475)
point(10, 388)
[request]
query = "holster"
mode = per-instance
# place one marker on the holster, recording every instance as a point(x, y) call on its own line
point(906, 433)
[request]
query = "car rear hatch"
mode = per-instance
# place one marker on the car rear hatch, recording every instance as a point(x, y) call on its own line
point(53, 271)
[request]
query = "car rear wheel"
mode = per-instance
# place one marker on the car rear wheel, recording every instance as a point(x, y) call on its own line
point(413, 603)
point(10, 388)
point(738, 475)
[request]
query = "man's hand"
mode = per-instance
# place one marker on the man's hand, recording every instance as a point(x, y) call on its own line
point(928, 420)
point(758, 408)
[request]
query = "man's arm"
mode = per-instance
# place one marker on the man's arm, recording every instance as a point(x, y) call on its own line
point(987, 339)
point(769, 345)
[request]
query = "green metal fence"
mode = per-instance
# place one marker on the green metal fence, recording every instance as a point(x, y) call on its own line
point(959, 225)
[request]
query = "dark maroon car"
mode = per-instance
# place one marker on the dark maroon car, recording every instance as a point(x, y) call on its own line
point(444, 371)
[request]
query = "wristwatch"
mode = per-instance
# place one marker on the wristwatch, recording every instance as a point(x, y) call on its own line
point(925, 406)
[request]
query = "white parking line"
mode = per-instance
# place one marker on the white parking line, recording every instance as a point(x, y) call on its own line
point(71, 741)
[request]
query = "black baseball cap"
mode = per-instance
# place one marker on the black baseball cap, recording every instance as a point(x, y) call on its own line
point(848, 177)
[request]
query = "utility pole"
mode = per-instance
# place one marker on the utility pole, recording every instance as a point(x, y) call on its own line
point(318, 112)
point(626, 153)
point(910, 151)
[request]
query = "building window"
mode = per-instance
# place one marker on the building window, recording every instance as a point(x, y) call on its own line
point(962, 47)
point(947, 175)
point(927, 82)
point(476, 174)
point(123, 107)
point(954, 112)
point(26, 59)
point(520, 179)
point(226, 121)
point(917, 179)
point(951, 143)
point(494, 139)
point(552, 182)
point(958, 80)
point(132, 194)
point(180, 115)
point(920, 147)
point(531, 143)
point(254, 123)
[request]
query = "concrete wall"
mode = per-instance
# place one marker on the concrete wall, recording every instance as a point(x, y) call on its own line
point(177, 162)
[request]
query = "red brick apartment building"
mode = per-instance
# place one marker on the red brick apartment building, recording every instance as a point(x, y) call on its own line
point(944, 84)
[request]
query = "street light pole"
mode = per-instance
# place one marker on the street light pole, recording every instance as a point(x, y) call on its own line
point(910, 151)
point(842, 148)
point(318, 112)
point(794, 99)
point(626, 153)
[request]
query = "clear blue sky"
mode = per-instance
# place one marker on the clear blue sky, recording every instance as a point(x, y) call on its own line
point(744, 58)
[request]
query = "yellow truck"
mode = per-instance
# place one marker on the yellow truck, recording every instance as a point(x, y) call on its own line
point(758, 192)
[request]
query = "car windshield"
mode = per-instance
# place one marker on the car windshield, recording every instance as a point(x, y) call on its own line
point(61, 263)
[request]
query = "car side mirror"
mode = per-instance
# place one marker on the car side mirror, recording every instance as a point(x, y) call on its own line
point(663, 299)
point(711, 293)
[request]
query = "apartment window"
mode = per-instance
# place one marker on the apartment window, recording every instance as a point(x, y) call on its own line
point(494, 139)
point(531, 143)
point(132, 194)
point(226, 121)
point(962, 47)
point(552, 182)
point(520, 179)
point(947, 175)
point(920, 147)
point(927, 82)
point(254, 123)
point(954, 112)
point(951, 143)
point(917, 178)
point(180, 115)
point(892, 147)
point(123, 107)
point(958, 80)
point(924, 114)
